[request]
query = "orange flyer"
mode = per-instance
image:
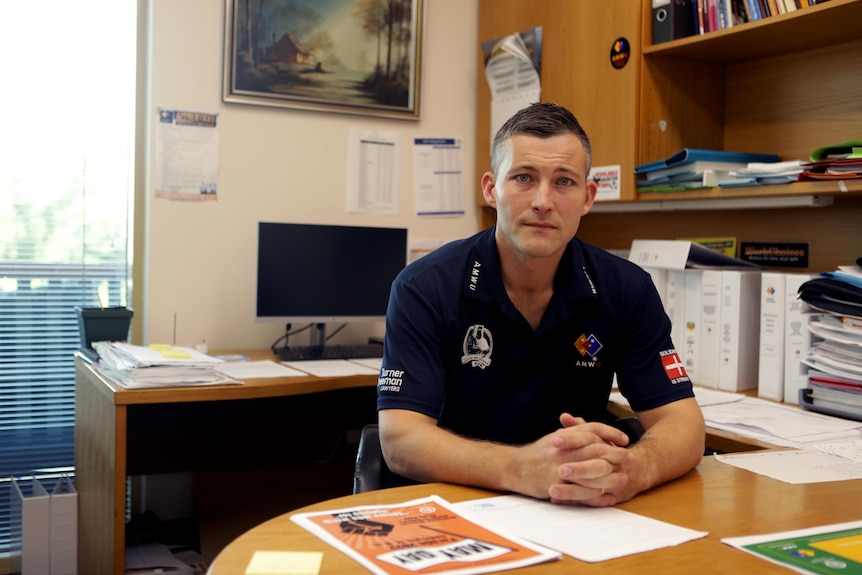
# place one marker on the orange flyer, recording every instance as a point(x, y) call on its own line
point(421, 536)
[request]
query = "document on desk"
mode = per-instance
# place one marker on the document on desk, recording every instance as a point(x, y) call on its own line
point(586, 533)
point(813, 464)
point(331, 367)
point(779, 424)
point(835, 548)
point(257, 369)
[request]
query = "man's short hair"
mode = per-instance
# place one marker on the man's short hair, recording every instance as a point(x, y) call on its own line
point(543, 120)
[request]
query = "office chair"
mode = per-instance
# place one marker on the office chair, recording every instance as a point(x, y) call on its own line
point(371, 472)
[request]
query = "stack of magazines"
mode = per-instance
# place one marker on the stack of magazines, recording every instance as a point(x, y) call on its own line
point(836, 162)
point(835, 356)
point(135, 366)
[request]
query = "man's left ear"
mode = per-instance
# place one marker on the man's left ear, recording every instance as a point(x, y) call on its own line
point(592, 191)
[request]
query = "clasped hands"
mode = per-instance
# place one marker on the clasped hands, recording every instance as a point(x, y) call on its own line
point(585, 463)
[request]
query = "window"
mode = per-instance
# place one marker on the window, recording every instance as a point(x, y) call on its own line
point(66, 189)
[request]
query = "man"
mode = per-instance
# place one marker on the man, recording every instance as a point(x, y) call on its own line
point(501, 349)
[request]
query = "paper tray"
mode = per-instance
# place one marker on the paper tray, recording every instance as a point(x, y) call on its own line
point(805, 401)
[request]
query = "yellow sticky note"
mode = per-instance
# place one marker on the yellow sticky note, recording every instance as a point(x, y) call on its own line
point(285, 563)
point(174, 353)
point(159, 346)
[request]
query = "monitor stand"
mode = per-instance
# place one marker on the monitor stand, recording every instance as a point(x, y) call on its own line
point(317, 335)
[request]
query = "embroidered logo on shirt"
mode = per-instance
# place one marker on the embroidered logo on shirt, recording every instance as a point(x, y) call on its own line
point(478, 346)
point(474, 276)
point(588, 345)
point(673, 366)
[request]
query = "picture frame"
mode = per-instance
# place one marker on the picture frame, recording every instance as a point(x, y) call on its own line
point(358, 57)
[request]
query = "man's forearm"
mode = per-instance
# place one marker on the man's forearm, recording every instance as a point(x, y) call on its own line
point(672, 445)
point(439, 455)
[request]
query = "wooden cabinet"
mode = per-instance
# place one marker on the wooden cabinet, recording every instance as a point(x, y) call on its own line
point(576, 72)
point(787, 84)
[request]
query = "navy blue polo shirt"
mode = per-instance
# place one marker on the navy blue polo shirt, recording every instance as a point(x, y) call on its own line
point(457, 349)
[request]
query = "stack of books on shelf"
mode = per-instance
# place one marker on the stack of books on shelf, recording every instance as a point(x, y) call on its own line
point(675, 19)
point(693, 168)
point(135, 366)
point(834, 360)
point(713, 303)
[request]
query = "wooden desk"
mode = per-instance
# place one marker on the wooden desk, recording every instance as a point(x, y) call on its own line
point(715, 497)
point(124, 432)
point(121, 432)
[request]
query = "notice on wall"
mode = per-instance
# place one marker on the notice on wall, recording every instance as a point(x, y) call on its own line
point(607, 179)
point(438, 175)
point(512, 68)
point(373, 172)
point(187, 155)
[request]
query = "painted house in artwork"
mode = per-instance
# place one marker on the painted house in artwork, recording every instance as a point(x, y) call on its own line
point(289, 51)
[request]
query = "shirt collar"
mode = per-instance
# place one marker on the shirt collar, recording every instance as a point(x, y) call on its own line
point(484, 278)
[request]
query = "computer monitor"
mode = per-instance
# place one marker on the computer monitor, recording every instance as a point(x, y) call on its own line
point(310, 273)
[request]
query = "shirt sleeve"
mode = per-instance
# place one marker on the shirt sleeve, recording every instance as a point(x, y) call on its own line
point(412, 376)
point(650, 372)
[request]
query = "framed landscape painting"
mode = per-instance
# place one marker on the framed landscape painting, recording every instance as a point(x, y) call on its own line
point(345, 56)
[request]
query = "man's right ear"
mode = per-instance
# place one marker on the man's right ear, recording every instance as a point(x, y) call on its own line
point(488, 188)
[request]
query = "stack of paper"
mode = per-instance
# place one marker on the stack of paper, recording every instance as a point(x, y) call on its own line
point(836, 162)
point(760, 173)
point(835, 357)
point(692, 168)
point(135, 366)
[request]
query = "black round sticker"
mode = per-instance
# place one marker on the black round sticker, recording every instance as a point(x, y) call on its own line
point(620, 52)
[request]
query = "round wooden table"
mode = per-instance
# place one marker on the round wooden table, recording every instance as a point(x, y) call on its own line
point(718, 498)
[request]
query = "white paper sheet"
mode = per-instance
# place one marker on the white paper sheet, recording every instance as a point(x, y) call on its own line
point(258, 369)
point(373, 172)
point(586, 533)
point(512, 77)
point(776, 423)
point(187, 155)
point(438, 176)
point(331, 367)
point(807, 465)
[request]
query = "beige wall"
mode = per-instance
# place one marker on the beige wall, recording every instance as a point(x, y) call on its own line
point(279, 165)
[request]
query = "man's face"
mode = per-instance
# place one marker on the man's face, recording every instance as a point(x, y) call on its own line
point(540, 193)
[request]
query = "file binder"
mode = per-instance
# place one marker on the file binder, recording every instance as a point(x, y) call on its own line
point(710, 329)
point(31, 517)
point(691, 347)
point(740, 326)
point(64, 528)
point(672, 19)
point(797, 338)
point(770, 367)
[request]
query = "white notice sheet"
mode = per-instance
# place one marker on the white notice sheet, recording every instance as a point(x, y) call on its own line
point(187, 155)
point(373, 172)
point(438, 176)
point(586, 533)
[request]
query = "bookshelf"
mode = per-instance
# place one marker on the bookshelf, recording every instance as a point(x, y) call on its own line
point(786, 84)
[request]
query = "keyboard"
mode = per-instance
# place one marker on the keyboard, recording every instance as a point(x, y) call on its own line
point(307, 352)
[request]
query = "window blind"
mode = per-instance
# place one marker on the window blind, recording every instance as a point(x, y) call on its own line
point(66, 188)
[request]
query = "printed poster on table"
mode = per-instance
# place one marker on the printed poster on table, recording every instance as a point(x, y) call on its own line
point(824, 550)
point(421, 536)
